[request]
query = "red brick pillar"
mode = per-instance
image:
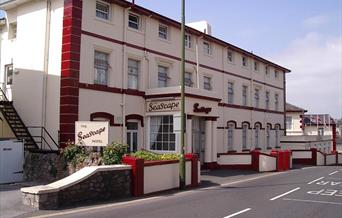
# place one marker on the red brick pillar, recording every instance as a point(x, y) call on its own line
point(70, 69)
point(194, 168)
point(137, 174)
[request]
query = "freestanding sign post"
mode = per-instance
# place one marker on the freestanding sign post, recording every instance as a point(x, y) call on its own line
point(91, 133)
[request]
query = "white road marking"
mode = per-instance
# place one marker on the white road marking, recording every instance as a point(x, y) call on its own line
point(305, 168)
point(311, 201)
point(286, 193)
point(237, 213)
point(315, 180)
point(333, 173)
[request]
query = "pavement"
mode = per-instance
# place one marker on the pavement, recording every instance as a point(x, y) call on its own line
point(10, 200)
point(302, 192)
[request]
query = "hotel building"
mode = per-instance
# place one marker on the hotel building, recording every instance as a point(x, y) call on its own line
point(74, 60)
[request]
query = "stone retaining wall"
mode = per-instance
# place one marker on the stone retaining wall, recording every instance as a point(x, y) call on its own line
point(103, 185)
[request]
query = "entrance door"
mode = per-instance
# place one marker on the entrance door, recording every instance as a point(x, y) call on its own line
point(198, 137)
point(132, 136)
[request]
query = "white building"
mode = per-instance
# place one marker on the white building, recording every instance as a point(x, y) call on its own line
point(305, 131)
point(117, 61)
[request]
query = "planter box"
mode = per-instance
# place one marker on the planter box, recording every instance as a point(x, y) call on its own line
point(155, 176)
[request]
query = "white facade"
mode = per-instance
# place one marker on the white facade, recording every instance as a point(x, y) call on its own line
point(304, 134)
point(126, 53)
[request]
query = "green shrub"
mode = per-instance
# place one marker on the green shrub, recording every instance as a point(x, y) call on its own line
point(74, 154)
point(149, 156)
point(112, 154)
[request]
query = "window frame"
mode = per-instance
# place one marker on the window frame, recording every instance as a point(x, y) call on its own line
point(268, 136)
point(129, 75)
point(163, 35)
point(137, 23)
point(9, 78)
point(188, 80)
point(245, 95)
point(256, 97)
point(257, 135)
point(105, 67)
point(230, 136)
point(108, 13)
point(244, 135)
point(244, 61)
point(230, 92)
point(163, 76)
point(161, 130)
point(276, 101)
point(256, 66)
point(207, 49)
point(267, 100)
point(230, 56)
point(187, 41)
point(208, 88)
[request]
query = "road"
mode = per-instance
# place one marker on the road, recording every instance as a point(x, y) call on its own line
point(308, 192)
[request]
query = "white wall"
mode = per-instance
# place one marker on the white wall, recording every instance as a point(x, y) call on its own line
point(164, 177)
point(267, 163)
point(320, 159)
point(330, 159)
point(301, 154)
point(234, 159)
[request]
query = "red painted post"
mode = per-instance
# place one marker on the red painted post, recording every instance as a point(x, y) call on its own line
point(334, 137)
point(255, 160)
point(137, 174)
point(194, 168)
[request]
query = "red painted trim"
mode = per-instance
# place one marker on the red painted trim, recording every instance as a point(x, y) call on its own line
point(255, 160)
point(70, 67)
point(104, 115)
point(172, 57)
point(334, 137)
point(135, 117)
point(178, 95)
point(137, 174)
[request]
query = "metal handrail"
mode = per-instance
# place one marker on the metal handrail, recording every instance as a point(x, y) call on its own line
point(4, 97)
point(42, 131)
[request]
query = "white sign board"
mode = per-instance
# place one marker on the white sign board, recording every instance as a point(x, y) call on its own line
point(163, 106)
point(91, 133)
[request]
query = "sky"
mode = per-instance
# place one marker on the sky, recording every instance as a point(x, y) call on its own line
point(304, 36)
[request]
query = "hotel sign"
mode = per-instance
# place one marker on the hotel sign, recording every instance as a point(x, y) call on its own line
point(91, 133)
point(163, 106)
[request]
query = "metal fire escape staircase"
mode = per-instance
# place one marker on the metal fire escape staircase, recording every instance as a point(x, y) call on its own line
point(21, 131)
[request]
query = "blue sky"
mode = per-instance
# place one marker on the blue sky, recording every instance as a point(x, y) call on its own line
point(304, 36)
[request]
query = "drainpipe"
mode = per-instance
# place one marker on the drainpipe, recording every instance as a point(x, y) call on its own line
point(46, 61)
point(252, 105)
point(197, 62)
point(123, 100)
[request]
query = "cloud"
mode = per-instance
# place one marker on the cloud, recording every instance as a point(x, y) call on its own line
point(315, 21)
point(316, 78)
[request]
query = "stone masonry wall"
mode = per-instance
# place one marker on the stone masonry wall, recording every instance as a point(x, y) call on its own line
point(104, 185)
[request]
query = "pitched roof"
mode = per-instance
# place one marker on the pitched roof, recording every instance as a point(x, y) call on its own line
point(293, 108)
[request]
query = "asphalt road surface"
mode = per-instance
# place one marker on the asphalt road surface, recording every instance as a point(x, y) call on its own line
point(308, 192)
